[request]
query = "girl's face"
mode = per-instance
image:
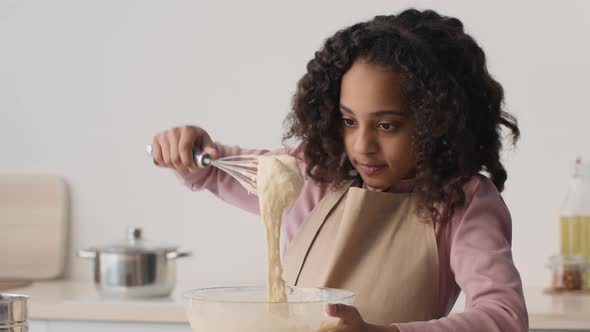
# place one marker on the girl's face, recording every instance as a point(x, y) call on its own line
point(377, 129)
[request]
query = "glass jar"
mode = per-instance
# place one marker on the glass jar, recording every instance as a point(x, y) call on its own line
point(567, 272)
point(13, 313)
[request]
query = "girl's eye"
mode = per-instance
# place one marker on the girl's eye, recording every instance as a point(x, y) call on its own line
point(349, 122)
point(387, 126)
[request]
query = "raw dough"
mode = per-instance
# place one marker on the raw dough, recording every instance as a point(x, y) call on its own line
point(278, 184)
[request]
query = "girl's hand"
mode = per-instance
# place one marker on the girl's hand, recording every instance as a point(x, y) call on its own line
point(351, 320)
point(173, 148)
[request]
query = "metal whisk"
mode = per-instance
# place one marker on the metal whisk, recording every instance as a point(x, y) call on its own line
point(243, 168)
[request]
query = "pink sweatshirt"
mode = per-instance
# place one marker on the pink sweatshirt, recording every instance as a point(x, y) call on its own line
point(474, 248)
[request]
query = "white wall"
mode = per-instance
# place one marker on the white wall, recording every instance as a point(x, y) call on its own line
point(84, 85)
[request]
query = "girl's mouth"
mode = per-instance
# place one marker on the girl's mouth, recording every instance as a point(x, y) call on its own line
point(370, 169)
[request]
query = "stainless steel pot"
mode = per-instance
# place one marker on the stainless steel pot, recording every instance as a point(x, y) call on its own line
point(13, 313)
point(134, 268)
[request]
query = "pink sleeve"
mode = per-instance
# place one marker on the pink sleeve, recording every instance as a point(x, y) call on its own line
point(221, 184)
point(481, 260)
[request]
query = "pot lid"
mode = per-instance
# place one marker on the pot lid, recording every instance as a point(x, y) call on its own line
point(135, 243)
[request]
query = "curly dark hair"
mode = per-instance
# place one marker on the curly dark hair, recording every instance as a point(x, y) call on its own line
point(457, 105)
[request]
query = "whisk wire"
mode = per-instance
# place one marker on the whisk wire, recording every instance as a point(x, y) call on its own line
point(243, 168)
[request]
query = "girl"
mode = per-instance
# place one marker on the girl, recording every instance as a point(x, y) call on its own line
point(399, 123)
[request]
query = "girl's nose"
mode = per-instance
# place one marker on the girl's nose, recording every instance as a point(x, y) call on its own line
point(365, 142)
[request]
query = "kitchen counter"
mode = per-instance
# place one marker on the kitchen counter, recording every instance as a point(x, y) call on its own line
point(76, 300)
point(79, 300)
point(552, 311)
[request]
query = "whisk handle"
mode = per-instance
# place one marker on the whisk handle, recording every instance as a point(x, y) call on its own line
point(202, 159)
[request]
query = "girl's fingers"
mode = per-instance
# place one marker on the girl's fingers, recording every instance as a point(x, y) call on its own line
point(347, 313)
point(157, 152)
point(185, 149)
point(165, 146)
point(175, 159)
point(173, 148)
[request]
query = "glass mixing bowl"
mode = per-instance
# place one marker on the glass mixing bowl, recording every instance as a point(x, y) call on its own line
point(246, 309)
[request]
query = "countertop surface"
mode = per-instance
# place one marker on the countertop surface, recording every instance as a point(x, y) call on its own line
point(78, 300)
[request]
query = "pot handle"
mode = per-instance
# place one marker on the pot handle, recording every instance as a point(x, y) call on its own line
point(176, 254)
point(87, 254)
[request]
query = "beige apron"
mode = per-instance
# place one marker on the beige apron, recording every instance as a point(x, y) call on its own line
point(373, 244)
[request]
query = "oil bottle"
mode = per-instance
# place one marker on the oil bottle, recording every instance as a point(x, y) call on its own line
point(575, 217)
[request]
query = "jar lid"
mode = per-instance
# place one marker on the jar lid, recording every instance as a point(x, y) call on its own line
point(13, 297)
point(574, 261)
point(135, 243)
